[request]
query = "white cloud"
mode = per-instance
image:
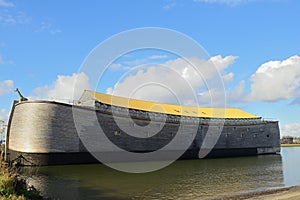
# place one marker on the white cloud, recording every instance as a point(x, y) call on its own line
point(63, 88)
point(48, 27)
point(136, 62)
point(238, 93)
point(276, 80)
point(1, 60)
point(228, 77)
point(6, 86)
point(291, 130)
point(4, 114)
point(232, 96)
point(125, 65)
point(169, 4)
point(8, 17)
point(4, 3)
point(172, 79)
point(55, 31)
point(157, 56)
point(116, 66)
point(227, 2)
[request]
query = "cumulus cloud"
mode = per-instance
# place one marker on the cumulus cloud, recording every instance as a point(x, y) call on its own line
point(291, 130)
point(232, 95)
point(63, 89)
point(176, 81)
point(228, 77)
point(276, 80)
point(237, 94)
point(6, 86)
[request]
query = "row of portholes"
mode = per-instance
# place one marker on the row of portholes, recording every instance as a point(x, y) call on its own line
point(248, 129)
point(118, 133)
point(242, 134)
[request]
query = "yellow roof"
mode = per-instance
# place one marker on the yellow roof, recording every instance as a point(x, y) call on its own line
point(231, 113)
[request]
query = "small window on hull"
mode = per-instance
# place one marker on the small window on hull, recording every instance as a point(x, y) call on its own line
point(117, 132)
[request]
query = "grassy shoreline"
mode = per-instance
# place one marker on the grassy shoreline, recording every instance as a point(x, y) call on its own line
point(290, 145)
point(14, 187)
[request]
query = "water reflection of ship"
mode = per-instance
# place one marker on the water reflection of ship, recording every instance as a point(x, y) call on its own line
point(187, 179)
point(44, 132)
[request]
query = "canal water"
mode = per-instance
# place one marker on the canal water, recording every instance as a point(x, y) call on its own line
point(187, 179)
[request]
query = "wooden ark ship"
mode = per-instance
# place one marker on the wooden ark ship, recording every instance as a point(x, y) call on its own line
point(45, 132)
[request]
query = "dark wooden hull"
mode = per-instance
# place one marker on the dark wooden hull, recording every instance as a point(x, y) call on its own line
point(44, 133)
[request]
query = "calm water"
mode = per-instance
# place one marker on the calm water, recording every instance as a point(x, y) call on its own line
point(192, 179)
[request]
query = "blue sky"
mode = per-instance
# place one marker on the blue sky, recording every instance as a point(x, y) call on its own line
point(43, 44)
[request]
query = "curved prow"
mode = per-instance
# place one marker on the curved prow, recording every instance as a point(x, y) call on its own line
point(22, 98)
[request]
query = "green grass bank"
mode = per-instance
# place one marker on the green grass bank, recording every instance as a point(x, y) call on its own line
point(290, 145)
point(12, 186)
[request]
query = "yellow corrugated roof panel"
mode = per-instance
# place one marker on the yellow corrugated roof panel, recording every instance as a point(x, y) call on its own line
point(232, 113)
